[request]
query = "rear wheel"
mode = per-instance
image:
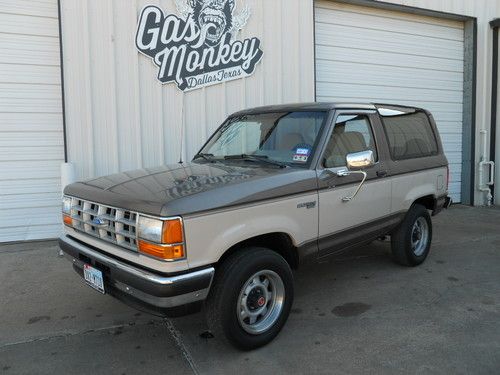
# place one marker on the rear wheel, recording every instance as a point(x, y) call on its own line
point(411, 241)
point(251, 297)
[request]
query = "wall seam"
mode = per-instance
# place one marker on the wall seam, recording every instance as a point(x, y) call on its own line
point(495, 24)
point(61, 66)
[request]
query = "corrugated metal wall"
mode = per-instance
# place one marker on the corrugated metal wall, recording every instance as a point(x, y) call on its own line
point(119, 117)
point(31, 140)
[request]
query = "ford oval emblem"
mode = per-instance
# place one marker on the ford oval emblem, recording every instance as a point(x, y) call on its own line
point(99, 222)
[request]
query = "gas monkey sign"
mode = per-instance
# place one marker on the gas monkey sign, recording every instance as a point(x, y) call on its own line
point(200, 48)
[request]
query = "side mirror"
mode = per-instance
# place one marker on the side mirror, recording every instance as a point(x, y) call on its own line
point(360, 160)
point(355, 162)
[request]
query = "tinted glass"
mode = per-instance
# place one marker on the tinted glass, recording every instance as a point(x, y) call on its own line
point(410, 135)
point(288, 137)
point(352, 133)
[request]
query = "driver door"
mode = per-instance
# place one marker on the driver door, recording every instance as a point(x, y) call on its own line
point(343, 224)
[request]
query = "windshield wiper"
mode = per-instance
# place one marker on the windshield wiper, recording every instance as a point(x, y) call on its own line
point(258, 158)
point(207, 157)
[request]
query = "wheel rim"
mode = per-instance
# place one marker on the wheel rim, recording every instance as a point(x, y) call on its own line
point(260, 302)
point(419, 236)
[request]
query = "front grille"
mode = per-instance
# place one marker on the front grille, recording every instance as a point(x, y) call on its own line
point(116, 225)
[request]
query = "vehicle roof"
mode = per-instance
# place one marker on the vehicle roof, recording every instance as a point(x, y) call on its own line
point(320, 106)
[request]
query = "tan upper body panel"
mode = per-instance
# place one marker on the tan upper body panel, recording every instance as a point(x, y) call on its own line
point(371, 203)
point(210, 235)
point(408, 187)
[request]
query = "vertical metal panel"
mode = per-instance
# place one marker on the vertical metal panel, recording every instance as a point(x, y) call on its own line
point(31, 141)
point(468, 118)
point(77, 85)
point(120, 117)
point(127, 113)
point(103, 90)
point(497, 123)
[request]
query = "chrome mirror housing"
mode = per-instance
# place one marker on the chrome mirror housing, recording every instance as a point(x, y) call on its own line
point(355, 162)
point(360, 160)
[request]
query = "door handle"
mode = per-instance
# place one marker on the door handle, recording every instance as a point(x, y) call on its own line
point(381, 173)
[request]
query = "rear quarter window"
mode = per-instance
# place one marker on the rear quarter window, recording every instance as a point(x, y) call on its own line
point(410, 134)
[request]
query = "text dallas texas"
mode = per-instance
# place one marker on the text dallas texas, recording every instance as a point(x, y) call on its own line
point(199, 48)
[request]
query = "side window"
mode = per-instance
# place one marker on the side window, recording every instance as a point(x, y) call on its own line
point(352, 133)
point(410, 135)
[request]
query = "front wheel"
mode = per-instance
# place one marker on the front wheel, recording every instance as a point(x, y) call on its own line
point(251, 297)
point(411, 241)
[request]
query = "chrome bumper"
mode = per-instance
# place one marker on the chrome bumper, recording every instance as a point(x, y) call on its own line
point(143, 289)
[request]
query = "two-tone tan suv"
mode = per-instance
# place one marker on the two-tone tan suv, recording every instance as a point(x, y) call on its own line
point(273, 187)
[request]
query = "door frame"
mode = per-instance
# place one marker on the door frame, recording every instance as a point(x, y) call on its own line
point(366, 231)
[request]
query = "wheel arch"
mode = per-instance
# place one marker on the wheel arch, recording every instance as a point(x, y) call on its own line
point(279, 242)
point(428, 201)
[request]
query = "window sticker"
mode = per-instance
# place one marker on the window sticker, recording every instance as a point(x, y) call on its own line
point(302, 151)
point(301, 154)
point(300, 158)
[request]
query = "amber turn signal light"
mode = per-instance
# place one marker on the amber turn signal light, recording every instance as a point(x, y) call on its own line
point(169, 252)
point(67, 220)
point(172, 231)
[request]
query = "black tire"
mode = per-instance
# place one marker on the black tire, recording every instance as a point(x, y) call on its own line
point(224, 298)
point(401, 238)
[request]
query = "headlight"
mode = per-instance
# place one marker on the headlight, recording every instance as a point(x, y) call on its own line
point(66, 205)
point(161, 238)
point(66, 211)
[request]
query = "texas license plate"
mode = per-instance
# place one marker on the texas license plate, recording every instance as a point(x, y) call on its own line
point(93, 277)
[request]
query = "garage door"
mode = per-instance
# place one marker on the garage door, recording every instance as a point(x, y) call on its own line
point(31, 140)
point(370, 55)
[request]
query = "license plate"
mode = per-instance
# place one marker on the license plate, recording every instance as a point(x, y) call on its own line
point(93, 277)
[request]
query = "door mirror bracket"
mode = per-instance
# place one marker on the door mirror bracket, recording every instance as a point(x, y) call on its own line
point(345, 172)
point(356, 161)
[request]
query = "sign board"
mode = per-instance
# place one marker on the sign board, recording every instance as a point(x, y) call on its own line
point(199, 47)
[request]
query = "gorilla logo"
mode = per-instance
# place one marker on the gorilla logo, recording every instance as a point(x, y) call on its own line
point(214, 18)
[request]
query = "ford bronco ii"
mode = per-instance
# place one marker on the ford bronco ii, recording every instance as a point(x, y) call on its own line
point(272, 188)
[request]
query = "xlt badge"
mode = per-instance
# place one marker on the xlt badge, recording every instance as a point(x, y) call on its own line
point(307, 205)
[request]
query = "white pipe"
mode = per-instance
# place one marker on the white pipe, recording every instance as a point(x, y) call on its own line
point(484, 187)
point(68, 175)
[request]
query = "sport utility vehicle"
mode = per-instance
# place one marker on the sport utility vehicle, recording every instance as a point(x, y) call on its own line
point(272, 188)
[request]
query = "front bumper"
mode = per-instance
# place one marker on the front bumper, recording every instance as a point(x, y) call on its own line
point(143, 289)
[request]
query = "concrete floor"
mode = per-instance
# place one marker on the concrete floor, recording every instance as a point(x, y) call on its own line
point(356, 313)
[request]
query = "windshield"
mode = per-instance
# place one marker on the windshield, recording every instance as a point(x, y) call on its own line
point(284, 137)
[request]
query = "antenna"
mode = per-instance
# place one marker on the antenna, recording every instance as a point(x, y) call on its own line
point(182, 129)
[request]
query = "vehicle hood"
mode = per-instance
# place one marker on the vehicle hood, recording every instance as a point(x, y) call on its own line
point(181, 189)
